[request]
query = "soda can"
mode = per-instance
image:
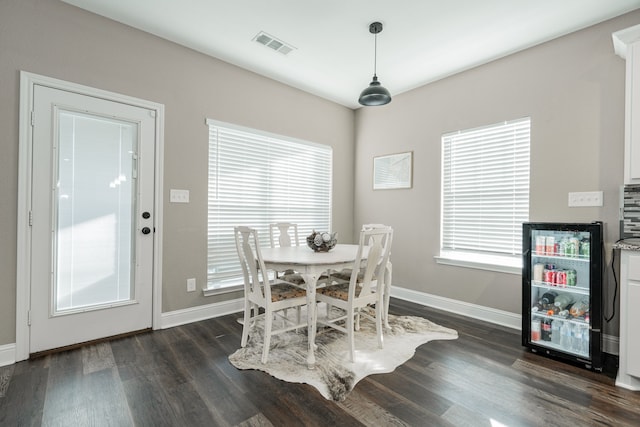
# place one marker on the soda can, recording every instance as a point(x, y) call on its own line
point(552, 276)
point(561, 278)
point(573, 248)
point(585, 248)
point(551, 245)
point(541, 245)
point(572, 278)
point(562, 247)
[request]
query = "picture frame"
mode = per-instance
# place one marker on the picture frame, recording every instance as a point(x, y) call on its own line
point(393, 171)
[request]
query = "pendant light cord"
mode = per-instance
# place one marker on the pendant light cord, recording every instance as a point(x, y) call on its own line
point(375, 52)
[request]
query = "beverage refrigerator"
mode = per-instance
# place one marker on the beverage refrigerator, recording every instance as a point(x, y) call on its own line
point(562, 275)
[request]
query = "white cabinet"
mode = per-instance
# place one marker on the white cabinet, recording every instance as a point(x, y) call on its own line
point(627, 45)
point(629, 363)
point(633, 318)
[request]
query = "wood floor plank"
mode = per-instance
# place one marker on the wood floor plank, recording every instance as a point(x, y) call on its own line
point(615, 415)
point(98, 401)
point(405, 385)
point(401, 406)
point(97, 357)
point(6, 372)
point(257, 420)
point(24, 398)
point(148, 402)
point(368, 412)
point(461, 416)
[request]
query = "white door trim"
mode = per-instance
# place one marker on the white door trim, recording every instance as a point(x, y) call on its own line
point(23, 279)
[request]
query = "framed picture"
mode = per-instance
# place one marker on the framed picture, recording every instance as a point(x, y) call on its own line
point(393, 171)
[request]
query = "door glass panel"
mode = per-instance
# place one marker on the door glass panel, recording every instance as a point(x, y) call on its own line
point(94, 223)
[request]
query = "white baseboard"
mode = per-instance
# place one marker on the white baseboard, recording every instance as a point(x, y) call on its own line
point(610, 343)
point(492, 315)
point(7, 354)
point(201, 312)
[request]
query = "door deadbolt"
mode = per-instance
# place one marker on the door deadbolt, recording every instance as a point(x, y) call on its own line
point(146, 215)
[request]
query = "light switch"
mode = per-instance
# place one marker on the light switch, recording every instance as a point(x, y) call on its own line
point(587, 198)
point(179, 196)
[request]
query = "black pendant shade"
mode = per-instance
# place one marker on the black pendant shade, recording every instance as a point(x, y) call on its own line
point(375, 94)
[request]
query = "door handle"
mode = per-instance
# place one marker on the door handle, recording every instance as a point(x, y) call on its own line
point(146, 230)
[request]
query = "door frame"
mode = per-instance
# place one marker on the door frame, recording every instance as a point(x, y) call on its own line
point(23, 268)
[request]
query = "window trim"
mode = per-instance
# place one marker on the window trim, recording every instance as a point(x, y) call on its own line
point(501, 264)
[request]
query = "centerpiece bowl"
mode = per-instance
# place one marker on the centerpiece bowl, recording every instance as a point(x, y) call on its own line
point(322, 241)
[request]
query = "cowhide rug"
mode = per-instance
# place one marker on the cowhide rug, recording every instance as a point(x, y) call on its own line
point(334, 376)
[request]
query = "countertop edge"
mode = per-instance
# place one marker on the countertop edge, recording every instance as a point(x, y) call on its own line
point(625, 246)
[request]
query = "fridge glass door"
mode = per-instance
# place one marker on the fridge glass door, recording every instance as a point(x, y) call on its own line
point(560, 284)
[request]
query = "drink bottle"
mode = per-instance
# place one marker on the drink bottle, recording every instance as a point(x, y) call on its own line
point(584, 344)
point(548, 298)
point(556, 327)
point(565, 336)
point(563, 300)
point(535, 330)
point(546, 330)
point(576, 338)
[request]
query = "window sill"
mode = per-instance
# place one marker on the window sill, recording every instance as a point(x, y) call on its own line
point(208, 292)
point(481, 262)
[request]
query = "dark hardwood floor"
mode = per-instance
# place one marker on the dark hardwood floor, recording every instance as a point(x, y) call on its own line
point(181, 377)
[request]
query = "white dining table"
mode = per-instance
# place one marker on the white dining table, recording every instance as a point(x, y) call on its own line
point(310, 265)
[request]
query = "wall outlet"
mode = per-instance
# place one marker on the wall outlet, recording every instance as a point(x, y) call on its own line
point(179, 196)
point(586, 198)
point(191, 285)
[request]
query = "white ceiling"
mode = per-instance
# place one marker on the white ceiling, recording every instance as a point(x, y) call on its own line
point(422, 40)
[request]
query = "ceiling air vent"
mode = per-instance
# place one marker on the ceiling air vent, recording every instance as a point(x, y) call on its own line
point(272, 42)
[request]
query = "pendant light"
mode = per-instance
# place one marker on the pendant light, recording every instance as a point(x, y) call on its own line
point(375, 94)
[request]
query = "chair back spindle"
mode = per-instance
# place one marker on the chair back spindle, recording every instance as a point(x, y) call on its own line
point(253, 268)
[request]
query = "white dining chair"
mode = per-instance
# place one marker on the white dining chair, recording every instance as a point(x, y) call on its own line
point(387, 276)
point(383, 282)
point(285, 234)
point(350, 298)
point(272, 295)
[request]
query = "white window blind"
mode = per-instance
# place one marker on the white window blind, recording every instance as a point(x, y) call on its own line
point(256, 179)
point(485, 189)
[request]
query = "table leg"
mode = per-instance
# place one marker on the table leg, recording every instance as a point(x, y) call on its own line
point(311, 280)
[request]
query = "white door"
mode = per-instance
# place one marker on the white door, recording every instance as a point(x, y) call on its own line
point(92, 220)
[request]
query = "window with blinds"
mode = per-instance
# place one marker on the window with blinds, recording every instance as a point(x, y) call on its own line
point(256, 179)
point(485, 192)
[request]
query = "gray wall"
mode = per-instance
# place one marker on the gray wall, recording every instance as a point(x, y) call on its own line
point(573, 90)
point(54, 39)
